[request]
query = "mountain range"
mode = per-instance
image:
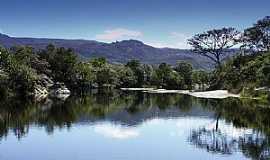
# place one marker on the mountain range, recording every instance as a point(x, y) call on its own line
point(116, 52)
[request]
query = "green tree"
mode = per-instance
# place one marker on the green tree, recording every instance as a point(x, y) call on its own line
point(257, 37)
point(98, 62)
point(106, 76)
point(200, 77)
point(138, 70)
point(185, 70)
point(126, 77)
point(62, 63)
point(148, 72)
point(18, 75)
point(266, 74)
point(162, 73)
point(22, 79)
point(5, 58)
point(175, 81)
point(214, 44)
point(84, 76)
point(165, 77)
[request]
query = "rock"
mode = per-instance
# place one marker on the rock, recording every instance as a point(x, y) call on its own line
point(41, 89)
point(40, 92)
point(46, 87)
point(62, 97)
point(267, 89)
point(46, 81)
point(60, 91)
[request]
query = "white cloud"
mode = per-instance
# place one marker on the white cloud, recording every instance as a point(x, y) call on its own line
point(175, 40)
point(118, 34)
point(160, 45)
point(180, 39)
point(155, 121)
point(116, 131)
point(1, 30)
point(176, 44)
point(178, 35)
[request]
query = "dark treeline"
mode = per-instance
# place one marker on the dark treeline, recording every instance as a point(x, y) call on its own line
point(54, 113)
point(248, 70)
point(25, 71)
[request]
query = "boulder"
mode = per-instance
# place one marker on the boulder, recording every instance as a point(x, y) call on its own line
point(41, 88)
point(60, 91)
point(46, 81)
point(40, 92)
point(63, 90)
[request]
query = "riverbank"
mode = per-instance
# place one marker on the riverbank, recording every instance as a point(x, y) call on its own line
point(216, 94)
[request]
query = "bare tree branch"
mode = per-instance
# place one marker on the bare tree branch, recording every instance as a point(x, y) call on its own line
point(214, 43)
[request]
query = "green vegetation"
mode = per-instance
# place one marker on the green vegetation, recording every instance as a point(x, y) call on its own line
point(249, 74)
point(213, 44)
point(248, 71)
point(23, 69)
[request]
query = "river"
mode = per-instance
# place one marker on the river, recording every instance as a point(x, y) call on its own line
point(132, 125)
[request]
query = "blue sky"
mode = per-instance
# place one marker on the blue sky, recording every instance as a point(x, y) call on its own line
point(162, 23)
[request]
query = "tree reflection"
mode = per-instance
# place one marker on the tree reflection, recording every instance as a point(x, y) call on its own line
point(127, 108)
point(212, 140)
point(242, 114)
point(133, 108)
point(254, 145)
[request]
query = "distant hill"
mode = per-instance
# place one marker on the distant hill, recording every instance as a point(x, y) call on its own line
point(116, 52)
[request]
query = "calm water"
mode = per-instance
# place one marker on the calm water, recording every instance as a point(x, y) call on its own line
point(134, 126)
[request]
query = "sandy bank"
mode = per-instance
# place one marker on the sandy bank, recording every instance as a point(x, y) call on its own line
point(137, 89)
point(216, 94)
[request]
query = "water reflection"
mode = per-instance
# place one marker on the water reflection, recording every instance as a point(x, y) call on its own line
point(116, 131)
point(128, 109)
point(216, 126)
point(245, 127)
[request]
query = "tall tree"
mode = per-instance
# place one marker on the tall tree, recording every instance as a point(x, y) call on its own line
point(137, 68)
point(165, 77)
point(257, 37)
point(126, 77)
point(84, 75)
point(185, 70)
point(214, 43)
point(106, 76)
point(98, 62)
point(62, 62)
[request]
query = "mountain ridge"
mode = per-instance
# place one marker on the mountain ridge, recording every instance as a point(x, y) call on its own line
point(115, 52)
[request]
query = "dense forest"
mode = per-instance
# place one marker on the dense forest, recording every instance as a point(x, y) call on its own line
point(26, 71)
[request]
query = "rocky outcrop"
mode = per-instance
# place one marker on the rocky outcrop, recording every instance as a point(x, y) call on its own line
point(46, 87)
point(60, 91)
point(40, 92)
point(46, 81)
point(63, 90)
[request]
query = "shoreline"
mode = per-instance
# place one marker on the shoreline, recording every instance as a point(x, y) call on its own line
point(215, 94)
